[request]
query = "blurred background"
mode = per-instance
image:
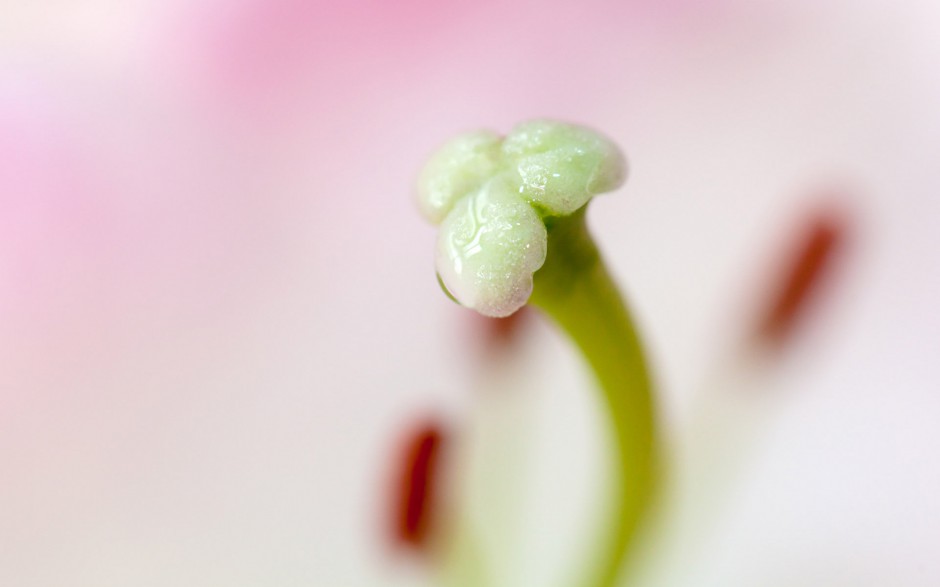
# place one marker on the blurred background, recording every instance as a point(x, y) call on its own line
point(219, 320)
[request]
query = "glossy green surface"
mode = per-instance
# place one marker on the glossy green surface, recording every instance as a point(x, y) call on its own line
point(576, 291)
point(489, 195)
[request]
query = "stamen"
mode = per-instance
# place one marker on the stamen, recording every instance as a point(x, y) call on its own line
point(811, 260)
point(417, 484)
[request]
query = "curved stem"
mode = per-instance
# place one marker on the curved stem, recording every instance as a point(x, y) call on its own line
point(576, 291)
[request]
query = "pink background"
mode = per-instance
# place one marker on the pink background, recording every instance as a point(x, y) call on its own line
point(218, 311)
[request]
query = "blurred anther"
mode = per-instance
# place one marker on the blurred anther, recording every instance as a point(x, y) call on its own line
point(503, 331)
point(417, 477)
point(803, 274)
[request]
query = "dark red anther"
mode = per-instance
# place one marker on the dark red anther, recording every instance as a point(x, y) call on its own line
point(416, 480)
point(806, 270)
